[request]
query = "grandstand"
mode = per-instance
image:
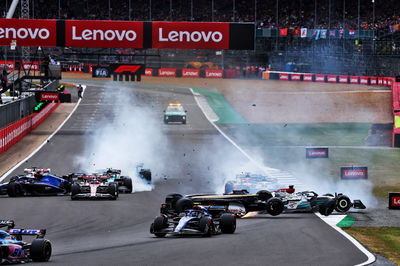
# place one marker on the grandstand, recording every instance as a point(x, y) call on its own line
point(357, 37)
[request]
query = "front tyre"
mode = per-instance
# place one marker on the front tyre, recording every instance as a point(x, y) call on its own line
point(160, 223)
point(206, 226)
point(343, 204)
point(228, 223)
point(274, 206)
point(40, 250)
point(15, 190)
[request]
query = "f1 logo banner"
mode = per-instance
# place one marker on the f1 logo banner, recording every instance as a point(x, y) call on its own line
point(137, 69)
point(394, 200)
point(104, 34)
point(28, 32)
point(352, 173)
point(312, 153)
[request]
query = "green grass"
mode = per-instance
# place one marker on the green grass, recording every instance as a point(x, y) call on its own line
point(381, 240)
point(224, 110)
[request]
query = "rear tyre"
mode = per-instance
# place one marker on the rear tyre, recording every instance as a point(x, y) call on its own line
point(160, 223)
point(15, 190)
point(206, 226)
point(112, 189)
point(327, 208)
point(128, 184)
point(184, 204)
point(171, 199)
point(228, 223)
point(75, 190)
point(40, 250)
point(343, 204)
point(264, 195)
point(274, 206)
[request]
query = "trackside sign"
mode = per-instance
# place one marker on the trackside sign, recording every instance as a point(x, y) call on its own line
point(105, 34)
point(312, 153)
point(351, 173)
point(394, 200)
point(49, 96)
point(128, 34)
point(190, 35)
point(28, 32)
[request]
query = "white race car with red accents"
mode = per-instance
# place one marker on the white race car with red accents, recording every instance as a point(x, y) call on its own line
point(94, 187)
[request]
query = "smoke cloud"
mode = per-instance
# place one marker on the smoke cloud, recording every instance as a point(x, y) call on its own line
point(128, 135)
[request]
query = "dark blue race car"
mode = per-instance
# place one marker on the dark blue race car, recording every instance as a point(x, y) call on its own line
point(36, 182)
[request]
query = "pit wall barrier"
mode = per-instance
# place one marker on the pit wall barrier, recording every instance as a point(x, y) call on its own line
point(396, 111)
point(328, 78)
point(14, 132)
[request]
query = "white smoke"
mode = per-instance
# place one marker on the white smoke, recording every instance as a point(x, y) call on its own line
point(129, 136)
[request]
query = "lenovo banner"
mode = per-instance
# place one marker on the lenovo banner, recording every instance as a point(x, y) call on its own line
point(190, 73)
point(394, 200)
point(214, 74)
point(104, 34)
point(190, 35)
point(312, 153)
point(353, 79)
point(343, 79)
point(308, 77)
point(319, 78)
point(148, 72)
point(49, 96)
point(351, 173)
point(167, 72)
point(28, 32)
point(331, 78)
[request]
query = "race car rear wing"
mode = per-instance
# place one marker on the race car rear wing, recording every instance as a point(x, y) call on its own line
point(8, 223)
point(39, 233)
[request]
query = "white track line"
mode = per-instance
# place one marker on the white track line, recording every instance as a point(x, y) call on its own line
point(370, 256)
point(44, 143)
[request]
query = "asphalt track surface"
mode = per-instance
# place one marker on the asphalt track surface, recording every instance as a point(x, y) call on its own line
point(117, 232)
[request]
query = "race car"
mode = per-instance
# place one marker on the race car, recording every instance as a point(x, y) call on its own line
point(93, 187)
point(175, 113)
point(252, 183)
point(36, 182)
point(124, 182)
point(194, 221)
point(239, 202)
point(14, 250)
point(309, 201)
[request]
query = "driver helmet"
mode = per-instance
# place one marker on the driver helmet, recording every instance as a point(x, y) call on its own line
point(3, 234)
point(37, 175)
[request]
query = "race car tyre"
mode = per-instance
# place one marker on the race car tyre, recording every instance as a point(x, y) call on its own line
point(184, 204)
point(206, 226)
point(128, 184)
point(15, 190)
point(40, 250)
point(75, 190)
point(171, 199)
point(343, 204)
point(160, 222)
point(228, 223)
point(228, 187)
point(264, 195)
point(327, 208)
point(145, 174)
point(274, 206)
point(112, 189)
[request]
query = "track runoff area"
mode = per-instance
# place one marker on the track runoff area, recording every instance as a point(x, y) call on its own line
point(90, 232)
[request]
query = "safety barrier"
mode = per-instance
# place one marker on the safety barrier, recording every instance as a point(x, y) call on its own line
point(14, 132)
point(396, 111)
point(328, 78)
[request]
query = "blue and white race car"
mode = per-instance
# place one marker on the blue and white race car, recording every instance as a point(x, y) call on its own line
point(36, 182)
point(252, 183)
point(196, 220)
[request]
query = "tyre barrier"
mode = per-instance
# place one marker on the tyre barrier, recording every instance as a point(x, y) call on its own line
point(14, 132)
